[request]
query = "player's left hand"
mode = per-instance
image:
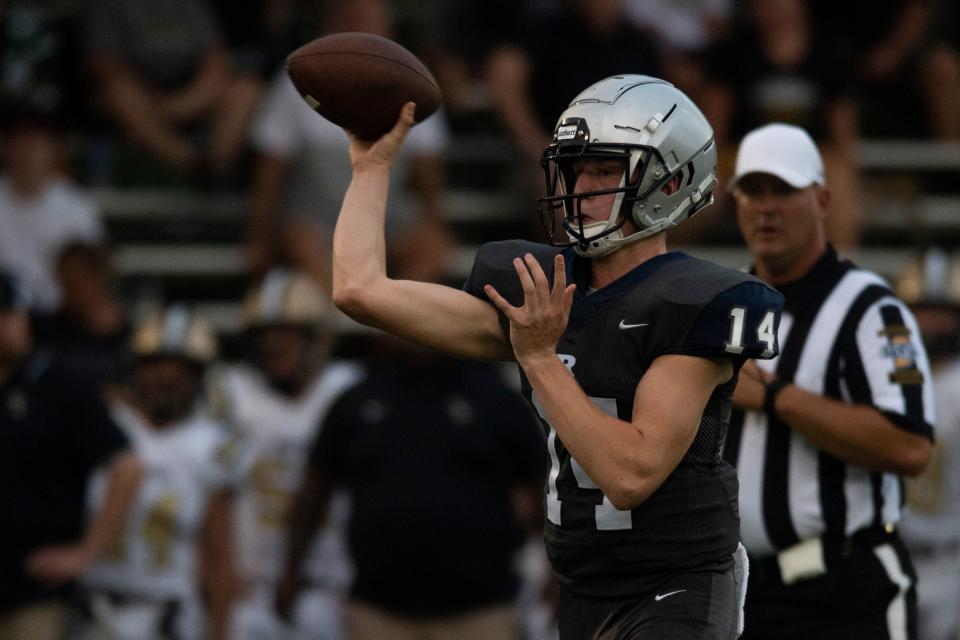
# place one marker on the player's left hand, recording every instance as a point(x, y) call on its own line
point(751, 387)
point(537, 326)
point(58, 564)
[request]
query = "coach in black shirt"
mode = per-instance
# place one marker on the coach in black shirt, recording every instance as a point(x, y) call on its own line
point(53, 431)
point(444, 466)
point(825, 431)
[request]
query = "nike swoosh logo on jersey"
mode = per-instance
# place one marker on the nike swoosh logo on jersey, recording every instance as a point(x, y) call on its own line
point(624, 325)
point(661, 596)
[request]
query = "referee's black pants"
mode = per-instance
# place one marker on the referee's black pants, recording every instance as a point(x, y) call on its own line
point(869, 594)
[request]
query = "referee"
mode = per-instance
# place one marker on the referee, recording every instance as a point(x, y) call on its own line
point(823, 433)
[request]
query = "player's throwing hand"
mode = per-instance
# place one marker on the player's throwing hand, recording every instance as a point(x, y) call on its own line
point(380, 153)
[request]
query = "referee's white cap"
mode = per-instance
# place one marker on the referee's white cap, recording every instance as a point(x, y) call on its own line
point(782, 150)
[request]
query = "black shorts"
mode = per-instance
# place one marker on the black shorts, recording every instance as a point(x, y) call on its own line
point(698, 605)
point(867, 595)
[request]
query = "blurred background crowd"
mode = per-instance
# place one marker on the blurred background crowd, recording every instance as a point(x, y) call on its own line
point(156, 155)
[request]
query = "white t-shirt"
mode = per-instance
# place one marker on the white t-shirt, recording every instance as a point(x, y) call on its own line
point(33, 231)
point(680, 26)
point(286, 126)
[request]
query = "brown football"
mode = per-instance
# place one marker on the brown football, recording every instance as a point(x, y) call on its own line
point(360, 81)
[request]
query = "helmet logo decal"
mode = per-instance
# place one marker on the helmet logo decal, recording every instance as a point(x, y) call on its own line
point(572, 129)
point(566, 132)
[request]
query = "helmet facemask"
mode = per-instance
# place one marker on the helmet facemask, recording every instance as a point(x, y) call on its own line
point(562, 166)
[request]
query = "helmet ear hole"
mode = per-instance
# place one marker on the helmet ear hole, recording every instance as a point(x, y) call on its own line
point(673, 184)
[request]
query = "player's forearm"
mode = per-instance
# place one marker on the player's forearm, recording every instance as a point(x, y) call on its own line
point(857, 434)
point(309, 514)
point(359, 249)
point(126, 472)
point(607, 448)
point(219, 573)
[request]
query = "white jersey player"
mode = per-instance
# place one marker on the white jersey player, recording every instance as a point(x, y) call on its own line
point(275, 408)
point(931, 524)
point(149, 585)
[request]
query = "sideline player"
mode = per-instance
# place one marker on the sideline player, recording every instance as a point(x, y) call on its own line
point(175, 550)
point(275, 407)
point(631, 367)
point(931, 523)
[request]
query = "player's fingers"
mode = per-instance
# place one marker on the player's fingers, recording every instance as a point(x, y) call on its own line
point(499, 301)
point(559, 275)
point(536, 272)
point(525, 280)
point(408, 113)
point(568, 299)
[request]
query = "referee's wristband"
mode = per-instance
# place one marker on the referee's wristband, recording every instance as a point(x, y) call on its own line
point(772, 390)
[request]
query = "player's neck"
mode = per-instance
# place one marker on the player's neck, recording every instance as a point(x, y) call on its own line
point(608, 268)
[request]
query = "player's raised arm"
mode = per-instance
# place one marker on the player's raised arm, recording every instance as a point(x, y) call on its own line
point(429, 314)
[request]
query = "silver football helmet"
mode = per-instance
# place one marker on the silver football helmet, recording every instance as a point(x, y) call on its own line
point(656, 132)
point(286, 297)
point(931, 279)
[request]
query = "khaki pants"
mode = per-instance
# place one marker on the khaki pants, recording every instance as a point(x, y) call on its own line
point(365, 622)
point(44, 621)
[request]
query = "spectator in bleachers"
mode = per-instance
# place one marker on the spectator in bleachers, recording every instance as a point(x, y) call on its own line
point(776, 68)
point(161, 67)
point(261, 33)
point(303, 168)
point(906, 68)
point(40, 208)
point(460, 38)
point(171, 574)
point(54, 432)
point(684, 33)
point(89, 329)
point(533, 78)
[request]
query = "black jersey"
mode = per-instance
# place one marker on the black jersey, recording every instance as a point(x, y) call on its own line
point(671, 304)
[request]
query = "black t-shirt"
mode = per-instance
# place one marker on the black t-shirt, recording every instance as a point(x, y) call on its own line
point(429, 455)
point(765, 92)
point(858, 25)
point(566, 58)
point(54, 430)
point(97, 358)
point(671, 304)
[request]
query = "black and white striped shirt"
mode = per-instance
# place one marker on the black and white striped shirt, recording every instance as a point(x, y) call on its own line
point(843, 334)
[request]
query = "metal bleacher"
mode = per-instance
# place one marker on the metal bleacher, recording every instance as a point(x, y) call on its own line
point(179, 244)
